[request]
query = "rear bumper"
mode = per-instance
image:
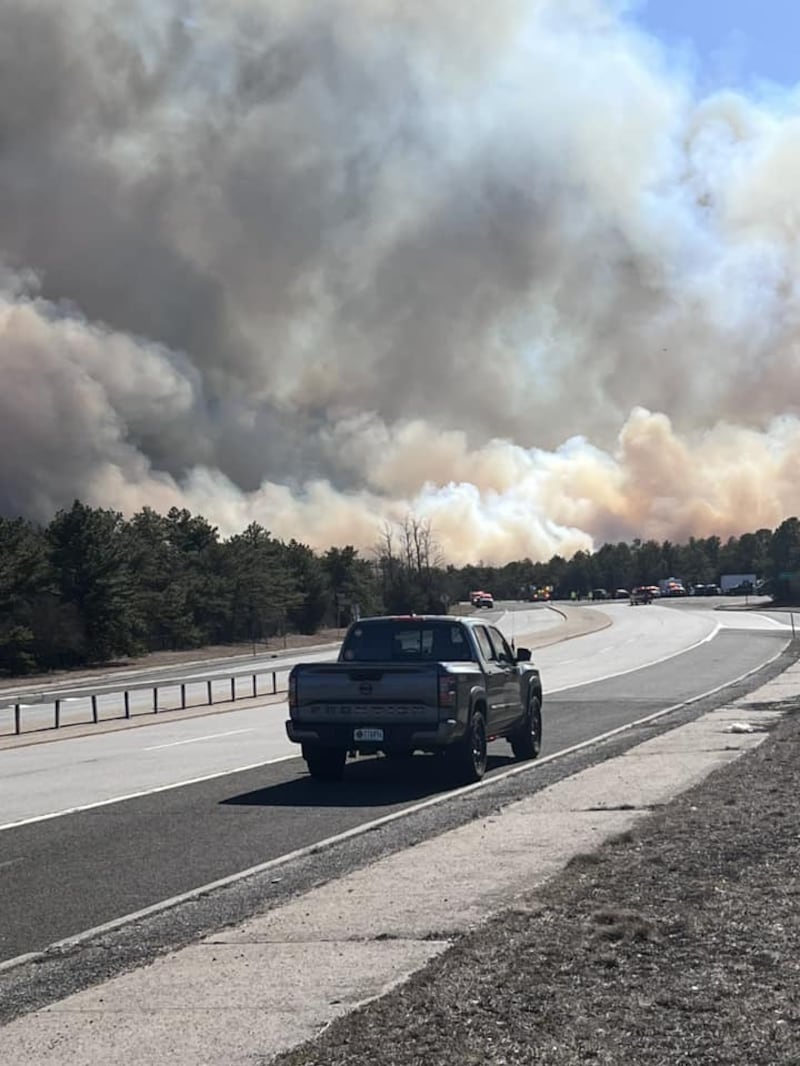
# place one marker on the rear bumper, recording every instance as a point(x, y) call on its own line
point(338, 735)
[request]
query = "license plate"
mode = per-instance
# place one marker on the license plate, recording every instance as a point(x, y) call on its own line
point(368, 734)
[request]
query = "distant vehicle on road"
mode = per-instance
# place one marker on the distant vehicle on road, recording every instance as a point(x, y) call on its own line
point(672, 586)
point(642, 594)
point(621, 594)
point(418, 683)
point(600, 594)
point(483, 599)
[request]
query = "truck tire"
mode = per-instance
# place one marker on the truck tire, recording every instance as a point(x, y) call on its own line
point(325, 764)
point(526, 742)
point(467, 760)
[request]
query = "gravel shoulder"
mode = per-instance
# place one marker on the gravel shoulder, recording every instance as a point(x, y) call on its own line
point(675, 943)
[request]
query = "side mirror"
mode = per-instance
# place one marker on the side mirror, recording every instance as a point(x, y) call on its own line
point(523, 655)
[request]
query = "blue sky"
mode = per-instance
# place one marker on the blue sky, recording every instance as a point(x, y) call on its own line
point(734, 42)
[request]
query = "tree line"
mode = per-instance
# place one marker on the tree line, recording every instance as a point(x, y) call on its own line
point(93, 586)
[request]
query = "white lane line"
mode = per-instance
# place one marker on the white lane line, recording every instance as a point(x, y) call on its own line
point(241, 769)
point(196, 740)
point(146, 792)
point(642, 666)
point(765, 618)
point(367, 827)
point(11, 862)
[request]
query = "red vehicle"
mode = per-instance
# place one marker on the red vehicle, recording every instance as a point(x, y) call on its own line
point(481, 599)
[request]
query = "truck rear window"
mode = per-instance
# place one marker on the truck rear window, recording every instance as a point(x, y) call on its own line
point(384, 642)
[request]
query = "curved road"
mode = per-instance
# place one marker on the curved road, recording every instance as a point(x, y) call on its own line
point(64, 873)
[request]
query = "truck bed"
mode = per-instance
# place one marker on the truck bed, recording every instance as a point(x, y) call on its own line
point(378, 693)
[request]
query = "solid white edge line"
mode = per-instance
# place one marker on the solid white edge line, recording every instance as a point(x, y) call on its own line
point(147, 792)
point(283, 758)
point(644, 666)
point(366, 827)
point(772, 621)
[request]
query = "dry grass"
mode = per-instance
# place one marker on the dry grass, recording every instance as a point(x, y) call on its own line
point(678, 944)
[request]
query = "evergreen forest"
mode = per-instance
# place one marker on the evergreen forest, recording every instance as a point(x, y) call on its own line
point(93, 586)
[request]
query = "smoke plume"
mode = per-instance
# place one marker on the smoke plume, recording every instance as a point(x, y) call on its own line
point(322, 265)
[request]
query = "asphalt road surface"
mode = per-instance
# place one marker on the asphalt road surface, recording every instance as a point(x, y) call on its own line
point(160, 687)
point(62, 874)
point(41, 780)
point(233, 679)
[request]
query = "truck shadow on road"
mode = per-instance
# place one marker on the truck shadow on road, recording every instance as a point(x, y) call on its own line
point(367, 782)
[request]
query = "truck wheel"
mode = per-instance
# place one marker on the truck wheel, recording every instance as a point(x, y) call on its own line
point(325, 764)
point(526, 742)
point(468, 759)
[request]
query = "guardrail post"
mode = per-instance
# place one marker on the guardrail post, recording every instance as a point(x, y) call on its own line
point(94, 709)
point(127, 697)
point(255, 685)
point(274, 683)
point(183, 697)
point(16, 718)
point(233, 689)
point(155, 699)
point(210, 698)
point(57, 717)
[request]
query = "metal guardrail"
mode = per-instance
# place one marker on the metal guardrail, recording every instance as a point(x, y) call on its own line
point(57, 698)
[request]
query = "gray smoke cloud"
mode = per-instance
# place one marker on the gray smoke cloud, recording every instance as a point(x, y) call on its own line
point(320, 265)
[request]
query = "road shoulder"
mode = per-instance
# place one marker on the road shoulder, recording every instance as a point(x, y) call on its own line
point(676, 941)
point(281, 977)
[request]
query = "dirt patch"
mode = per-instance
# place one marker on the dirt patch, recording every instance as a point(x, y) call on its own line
point(677, 943)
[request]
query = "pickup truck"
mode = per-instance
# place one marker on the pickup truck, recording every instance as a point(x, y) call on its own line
point(432, 683)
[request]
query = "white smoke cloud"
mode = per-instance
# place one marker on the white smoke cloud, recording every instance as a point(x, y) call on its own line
point(323, 265)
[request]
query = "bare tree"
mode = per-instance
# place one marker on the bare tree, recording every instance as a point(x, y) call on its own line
point(385, 560)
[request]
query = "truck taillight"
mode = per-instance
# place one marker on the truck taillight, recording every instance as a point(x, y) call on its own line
point(447, 690)
point(292, 692)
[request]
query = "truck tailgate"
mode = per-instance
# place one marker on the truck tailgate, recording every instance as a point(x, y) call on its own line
point(338, 692)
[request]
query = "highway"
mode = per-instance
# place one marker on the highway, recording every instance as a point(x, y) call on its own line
point(98, 827)
point(36, 703)
point(227, 680)
point(86, 682)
